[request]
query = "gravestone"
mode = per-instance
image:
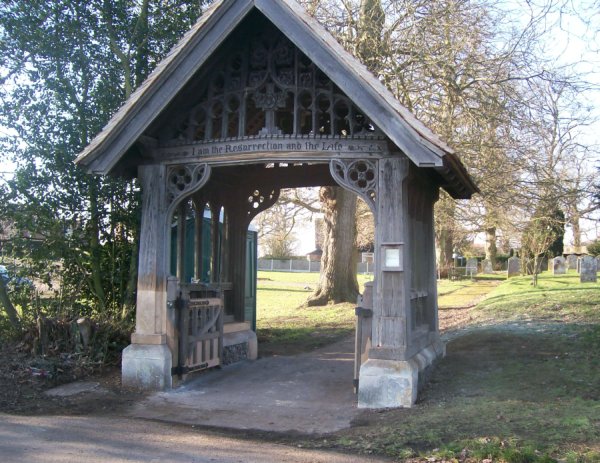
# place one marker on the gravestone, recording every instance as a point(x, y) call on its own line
point(598, 262)
point(559, 266)
point(471, 269)
point(542, 264)
point(572, 262)
point(588, 270)
point(486, 266)
point(514, 267)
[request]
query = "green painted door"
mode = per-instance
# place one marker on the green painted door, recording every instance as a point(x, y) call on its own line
point(251, 262)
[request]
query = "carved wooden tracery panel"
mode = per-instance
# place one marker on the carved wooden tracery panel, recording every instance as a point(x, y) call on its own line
point(183, 180)
point(359, 176)
point(269, 87)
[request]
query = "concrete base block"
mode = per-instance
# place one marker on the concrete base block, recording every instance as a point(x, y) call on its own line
point(147, 367)
point(388, 383)
point(239, 337)
point(395, 383)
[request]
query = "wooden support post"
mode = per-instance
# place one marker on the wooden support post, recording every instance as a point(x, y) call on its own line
point(181, 239)
point(147, 362)
point(390, 377)
point(392, 294)
point(152, 273)
point(225, 266)
point(198, 242)
point(429, 224)
point(215, 212)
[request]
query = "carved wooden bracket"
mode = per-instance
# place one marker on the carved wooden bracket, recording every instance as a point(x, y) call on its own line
point(260, 200)
point(359, 176)
point(184, 180)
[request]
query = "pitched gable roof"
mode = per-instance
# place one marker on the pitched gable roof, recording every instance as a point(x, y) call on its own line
point(419, 143)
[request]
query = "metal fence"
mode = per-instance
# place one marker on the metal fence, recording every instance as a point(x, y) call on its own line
point(302, 265)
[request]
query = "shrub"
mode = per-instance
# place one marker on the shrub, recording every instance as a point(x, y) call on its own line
point(594, 248)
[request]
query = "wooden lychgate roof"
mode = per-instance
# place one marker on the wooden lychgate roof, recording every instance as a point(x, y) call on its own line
point(127, 127)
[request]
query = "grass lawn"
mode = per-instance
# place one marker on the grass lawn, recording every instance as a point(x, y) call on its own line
point(556, 298)
point(520, 383)
point(284, 327)
point(464, 293)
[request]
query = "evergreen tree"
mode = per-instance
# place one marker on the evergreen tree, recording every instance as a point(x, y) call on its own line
point(67, 66)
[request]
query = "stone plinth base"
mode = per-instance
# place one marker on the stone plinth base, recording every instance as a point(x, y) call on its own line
point(395, 383)
point(147, 366)
point(231, 338)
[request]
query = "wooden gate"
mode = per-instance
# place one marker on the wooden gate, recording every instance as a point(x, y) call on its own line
point(200, 330)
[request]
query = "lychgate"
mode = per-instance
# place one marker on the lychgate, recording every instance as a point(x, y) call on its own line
point(255, 98)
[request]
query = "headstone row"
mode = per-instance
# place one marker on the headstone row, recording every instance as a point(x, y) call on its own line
point(587, 266)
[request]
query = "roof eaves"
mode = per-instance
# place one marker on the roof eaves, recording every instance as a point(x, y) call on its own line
point(460, 184)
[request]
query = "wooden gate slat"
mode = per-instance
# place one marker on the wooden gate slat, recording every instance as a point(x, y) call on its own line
point(201, 332)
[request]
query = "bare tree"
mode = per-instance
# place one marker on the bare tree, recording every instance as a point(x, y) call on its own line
point(277, 225)
point(557, 160)
point(470, 72)
point(360, 29)
point(541, 232)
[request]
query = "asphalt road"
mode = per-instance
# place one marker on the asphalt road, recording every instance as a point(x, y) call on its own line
point(53, 439)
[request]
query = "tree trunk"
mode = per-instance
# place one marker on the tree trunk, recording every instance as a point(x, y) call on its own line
point(445, 249)
point(490, 245)
point(444, 231)
point(140, 41)
point(337, 282)
point(9, 308)
point(576, 232)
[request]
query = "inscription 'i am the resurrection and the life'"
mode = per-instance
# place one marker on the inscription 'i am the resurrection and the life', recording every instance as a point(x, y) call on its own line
point(266, 146)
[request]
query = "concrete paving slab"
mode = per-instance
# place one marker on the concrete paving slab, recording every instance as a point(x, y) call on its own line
point(308, 393)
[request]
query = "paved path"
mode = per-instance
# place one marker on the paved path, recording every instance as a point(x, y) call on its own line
point(309, 393)
point(57, 439)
